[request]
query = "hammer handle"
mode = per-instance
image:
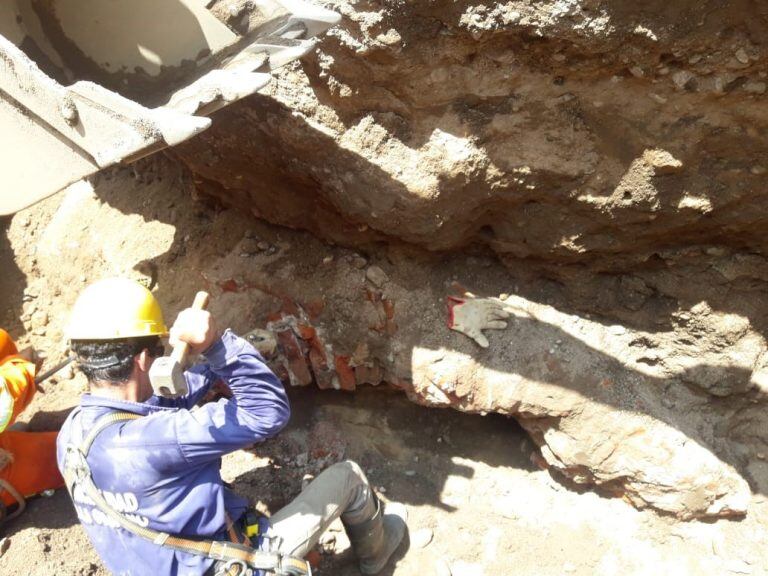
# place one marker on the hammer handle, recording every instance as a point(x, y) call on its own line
point(180, 351)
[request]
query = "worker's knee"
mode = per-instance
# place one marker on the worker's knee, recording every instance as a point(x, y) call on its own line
point(349, 469)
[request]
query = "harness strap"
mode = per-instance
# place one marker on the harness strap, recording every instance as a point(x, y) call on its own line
point(21, 504)
point(77, 471)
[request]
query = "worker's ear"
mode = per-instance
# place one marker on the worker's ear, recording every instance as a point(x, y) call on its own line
point(143, 360)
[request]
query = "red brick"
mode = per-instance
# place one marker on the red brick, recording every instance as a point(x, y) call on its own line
point(345, 373)
point(306, 332)
point(323, 374)
point(368, 374)
point(297, 363)
point(290, 308)
point(314, 308)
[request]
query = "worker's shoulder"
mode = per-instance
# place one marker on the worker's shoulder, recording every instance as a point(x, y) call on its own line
point(153, 430)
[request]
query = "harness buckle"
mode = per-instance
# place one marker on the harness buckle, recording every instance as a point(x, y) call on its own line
point(218, 551)
point(226, 569)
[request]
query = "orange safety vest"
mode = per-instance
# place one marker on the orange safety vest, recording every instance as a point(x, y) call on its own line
point(17, 381)
point(32, 466)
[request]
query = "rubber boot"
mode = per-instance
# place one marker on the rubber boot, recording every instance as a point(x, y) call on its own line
point(375, 540)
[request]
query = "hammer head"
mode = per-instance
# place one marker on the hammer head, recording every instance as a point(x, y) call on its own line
point(167, 378)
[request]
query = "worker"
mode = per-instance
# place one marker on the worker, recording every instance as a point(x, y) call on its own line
point(27, 459)
point(143, 470)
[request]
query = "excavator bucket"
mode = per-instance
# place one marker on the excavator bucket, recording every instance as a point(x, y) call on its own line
point(85, 84)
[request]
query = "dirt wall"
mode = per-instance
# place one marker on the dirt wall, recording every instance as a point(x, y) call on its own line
point(564, 131)
point(614, 151)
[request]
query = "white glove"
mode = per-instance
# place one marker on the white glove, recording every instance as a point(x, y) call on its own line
point(470, 316)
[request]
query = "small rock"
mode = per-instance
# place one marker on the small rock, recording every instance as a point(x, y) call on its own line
point(718, 84)
point(755, 87)
point(376, 276)
point(421, 538)
point(636, 71)
point(249, 246)
point(263, 246)
point(658, 98)
point(569, 568)
point(328, 539)
point(302, 459)
point(681, 79)
point(359, 262)
point(327, 259)
point(410, 472)
point(695, 59)
point(67, 373)
point(391, 38)
point(742, 56)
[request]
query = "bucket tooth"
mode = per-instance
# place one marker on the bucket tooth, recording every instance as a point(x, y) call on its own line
point(217, 89)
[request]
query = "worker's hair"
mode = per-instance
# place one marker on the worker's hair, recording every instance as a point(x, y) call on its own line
point(112, 360)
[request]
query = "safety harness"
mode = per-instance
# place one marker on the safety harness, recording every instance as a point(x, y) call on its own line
point(239, 559)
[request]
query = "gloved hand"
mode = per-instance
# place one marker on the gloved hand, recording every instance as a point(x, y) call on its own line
point(470, 316)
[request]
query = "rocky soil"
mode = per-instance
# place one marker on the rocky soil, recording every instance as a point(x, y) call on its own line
point(615, 150)
point(481, 498)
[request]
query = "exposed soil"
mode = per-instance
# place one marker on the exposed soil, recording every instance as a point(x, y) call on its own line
point(469, 480)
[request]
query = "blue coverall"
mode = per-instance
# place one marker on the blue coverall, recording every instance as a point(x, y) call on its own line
point(163, 469)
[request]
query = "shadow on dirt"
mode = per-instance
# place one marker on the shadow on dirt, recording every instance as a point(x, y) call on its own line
point(546, 354)
point(43, 514)
point(406, 448)
point(410, 454)
point(44, 421)
point(12, 284)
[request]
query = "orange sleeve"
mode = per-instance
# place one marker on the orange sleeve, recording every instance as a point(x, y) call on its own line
point(7, 345)
point(17, 382)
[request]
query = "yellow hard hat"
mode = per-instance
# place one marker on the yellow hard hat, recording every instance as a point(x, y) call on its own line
point(115, 308)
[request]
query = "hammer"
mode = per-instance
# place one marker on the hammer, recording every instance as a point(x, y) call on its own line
point(167, 373)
